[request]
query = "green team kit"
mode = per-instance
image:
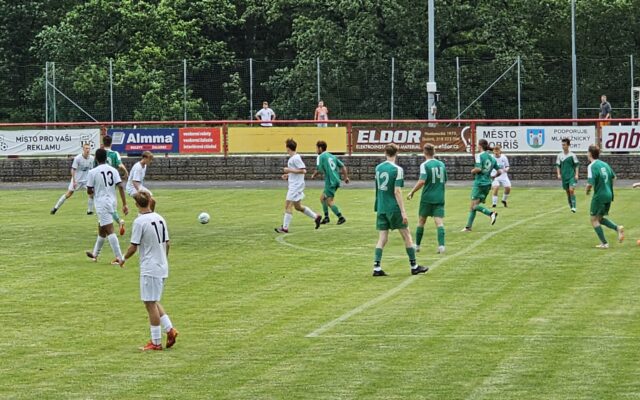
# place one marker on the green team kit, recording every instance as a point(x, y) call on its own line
point(601, 177)
point(330, 165)
point(568, 165)
point(434, 175)
point(388, 177)
point(482, 181)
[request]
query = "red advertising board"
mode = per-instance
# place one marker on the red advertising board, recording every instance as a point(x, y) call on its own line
point(199, 140)
point(445, 139)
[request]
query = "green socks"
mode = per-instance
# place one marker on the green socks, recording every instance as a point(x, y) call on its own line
point(325, 208)
point(472, 216)
point(378, 257)
point(336, 211)
point(600, 234)
point(419, 234)
point(609, 224)
point(440, 236)
point(411, 252)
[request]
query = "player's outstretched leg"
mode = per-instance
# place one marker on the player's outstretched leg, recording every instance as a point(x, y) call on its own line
point(60, 202)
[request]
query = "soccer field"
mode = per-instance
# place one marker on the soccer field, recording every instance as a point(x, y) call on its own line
point(524, 309)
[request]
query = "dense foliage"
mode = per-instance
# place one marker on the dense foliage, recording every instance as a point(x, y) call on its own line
point(350, 42)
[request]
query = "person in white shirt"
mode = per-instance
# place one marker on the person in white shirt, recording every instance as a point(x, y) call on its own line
point(294, 173)
point(82, 164)
point(502, 179)
point(101, 184)
point(135, 183)
point(151, 235)
point(266, 114)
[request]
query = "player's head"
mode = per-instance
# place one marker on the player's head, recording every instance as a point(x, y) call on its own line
point(497, 150)
point(566, 142)
point(321, 146)
point(484, 145)
point(391, 150)
point(101, 156)
point(107, 140)
point(594, 152)
point(429, 150)
point(265, 104)
point(86, 149)
point(143, 199)
point(147, 157)
point(291, 145)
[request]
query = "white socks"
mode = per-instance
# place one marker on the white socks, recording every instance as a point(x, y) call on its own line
point(504, 197)
point(166, 323)
point(287, 220)
point(98, 246)
point(90, 205)
point(60, 201)
point(307, 211)
point(115, 245)
point(495, 199)
point(156, 334)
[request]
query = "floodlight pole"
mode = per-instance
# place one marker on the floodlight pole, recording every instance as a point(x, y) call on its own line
point(574, 79)
point(431, 84)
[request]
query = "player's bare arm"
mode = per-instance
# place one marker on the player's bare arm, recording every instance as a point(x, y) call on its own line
point(345, 174)
point(417, 187)
point(167, 248)
point(125, 209)
point(130, 252)
point(588, 191)
point(558, 173)
point(398, 195)
point(476, 171)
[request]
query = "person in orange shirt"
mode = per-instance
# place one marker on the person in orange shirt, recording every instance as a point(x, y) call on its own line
point(321, 114)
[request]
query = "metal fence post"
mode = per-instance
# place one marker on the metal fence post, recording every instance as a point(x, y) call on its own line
point(458, 85)
point(393, 71)
point(184, 74)
point(53, 79)
point(46, 93)
point(251, 88)
point(519, 93)
point(111, 88)
point(318, 75)
point(631, 87)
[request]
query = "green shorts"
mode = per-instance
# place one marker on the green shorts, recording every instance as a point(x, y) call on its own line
point(330, 191)
point(600, 209)
point(567, 184)
point(431, 210)
point(480, 192)
point(386, 222)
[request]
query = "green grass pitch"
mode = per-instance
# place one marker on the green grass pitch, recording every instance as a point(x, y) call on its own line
point(525, 309)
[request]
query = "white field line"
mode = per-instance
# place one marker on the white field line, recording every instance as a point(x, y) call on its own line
point(412, 279)
point(486, 336)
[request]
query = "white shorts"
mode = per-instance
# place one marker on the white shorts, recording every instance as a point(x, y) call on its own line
point(501, 180)
point(296, 194)
point(151, 288)
point(133, 191)
point(105, 214)
point(80, 185)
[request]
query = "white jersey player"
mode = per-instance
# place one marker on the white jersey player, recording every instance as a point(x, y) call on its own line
point(82, 164)
point(101, 184)
point(151, 235)
point(502, 179)
point(135, 183)
point(294, 173)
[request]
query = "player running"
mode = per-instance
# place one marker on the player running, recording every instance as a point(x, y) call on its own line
point(567, 167)
point(114, 160)
point(294, 173)
point(102, 183)
point(502, 179)
point(601, 178)
point(151, 234)
point(80, 167)
point(390, 212)
point(485, 164)
point(433, 177)
point(135, 183)
point(330, 166)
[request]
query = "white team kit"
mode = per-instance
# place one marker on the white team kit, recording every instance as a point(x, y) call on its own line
point(151, 235)
point(137, 174)
point(104, 179)
point(503, 178)
point(296, 181)
point(82, 166)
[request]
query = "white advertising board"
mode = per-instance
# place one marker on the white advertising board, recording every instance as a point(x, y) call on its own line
point(620, 138)
point(47, 142)
point(537, 139)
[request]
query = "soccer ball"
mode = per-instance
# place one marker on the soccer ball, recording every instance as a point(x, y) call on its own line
point(203, 218)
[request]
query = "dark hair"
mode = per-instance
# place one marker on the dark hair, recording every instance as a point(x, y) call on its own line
point(101, 156)
point(429, 149)
point(291, 144)
point(142, 199)
point(322, 144)
point(566, 140)
point(484, 144)
point(106, 139)
point(391, 149)
point(594, 150)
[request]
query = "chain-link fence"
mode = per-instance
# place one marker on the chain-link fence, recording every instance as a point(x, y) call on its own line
point(394, 88)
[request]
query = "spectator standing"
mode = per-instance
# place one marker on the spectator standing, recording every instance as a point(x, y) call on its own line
point(266, 114)
point(605, 110)
point(321, 114)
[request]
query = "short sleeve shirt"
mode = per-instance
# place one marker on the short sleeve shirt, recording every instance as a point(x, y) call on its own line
point(150, 234)
point(137, 174)
point(104, 179)
point(487, 163)
point(567, 164)
point(434, 174)
point(330, 166)
point(82, 166)
point(296, 181)
point(601, 177)
point(388, 177)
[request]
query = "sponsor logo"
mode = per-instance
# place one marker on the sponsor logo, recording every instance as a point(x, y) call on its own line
point(622, 140)
point(535, 137)
point(3, 145)
point(153, 139)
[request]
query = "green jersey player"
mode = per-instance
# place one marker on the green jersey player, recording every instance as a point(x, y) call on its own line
point(390, 210)
point(567, 170)
point(433, 177)
point(601, 178)
point(485, 163)
point(331, 167)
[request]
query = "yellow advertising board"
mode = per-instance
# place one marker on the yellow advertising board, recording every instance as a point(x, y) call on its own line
point(272, 139)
